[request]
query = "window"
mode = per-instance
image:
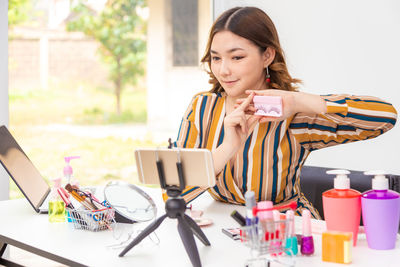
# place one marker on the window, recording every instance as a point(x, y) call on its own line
point(184, 18)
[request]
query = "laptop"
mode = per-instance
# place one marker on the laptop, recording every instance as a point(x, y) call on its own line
point(23, 172)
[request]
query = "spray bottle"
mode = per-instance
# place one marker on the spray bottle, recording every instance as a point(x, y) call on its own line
point(68, 169)
point(381, 212)
point(56, 204)
point(342, 205)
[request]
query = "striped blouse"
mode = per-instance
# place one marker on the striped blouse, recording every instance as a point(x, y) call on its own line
point(270, 161)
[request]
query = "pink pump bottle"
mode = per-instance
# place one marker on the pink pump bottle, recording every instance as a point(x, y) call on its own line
point(342, 205)
point(381, 213)
point(68, 169)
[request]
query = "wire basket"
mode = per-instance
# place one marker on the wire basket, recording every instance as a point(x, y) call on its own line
point(92, 220)
point(267, 242)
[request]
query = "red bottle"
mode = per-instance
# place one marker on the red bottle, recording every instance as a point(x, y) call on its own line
point(342, 205)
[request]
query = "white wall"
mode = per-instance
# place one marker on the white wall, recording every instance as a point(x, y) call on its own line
point(342, 47)
point(170, 89)
point(4, 180)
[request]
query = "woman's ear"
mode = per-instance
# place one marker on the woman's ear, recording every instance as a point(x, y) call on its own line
point(268, 55)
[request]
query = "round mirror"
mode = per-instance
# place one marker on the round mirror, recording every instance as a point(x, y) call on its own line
point(131, 202)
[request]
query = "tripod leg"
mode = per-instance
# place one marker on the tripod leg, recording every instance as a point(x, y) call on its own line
point(196, 230)
point(149, 229)
point(188, 241)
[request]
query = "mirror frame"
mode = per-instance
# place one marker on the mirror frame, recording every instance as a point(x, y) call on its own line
point(138, 190)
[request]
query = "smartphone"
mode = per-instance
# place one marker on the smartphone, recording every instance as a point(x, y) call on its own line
point(197, 165)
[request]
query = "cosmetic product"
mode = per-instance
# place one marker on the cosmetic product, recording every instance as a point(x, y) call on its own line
point(65, 197)
point(283, 226)
point(307, 241)
point(70, 218)
point(268, 105)
point(342, 205)
point(278, 225)
point(250, 203)
point(233, 233)
point(381, 213)
point(266, 219)
point(83, 200)
point(202, 222)
point(337, 246)
point(68, 169)
point(291, 242)
point(276, 215)
point(251, 220)
point(56, 204)
point(238, 218)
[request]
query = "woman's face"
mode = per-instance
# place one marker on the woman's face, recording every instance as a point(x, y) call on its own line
point(237, 64)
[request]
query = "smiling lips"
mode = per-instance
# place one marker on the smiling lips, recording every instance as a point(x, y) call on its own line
point(230, 82)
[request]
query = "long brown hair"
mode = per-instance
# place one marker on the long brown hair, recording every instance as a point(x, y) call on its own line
point(253, 24)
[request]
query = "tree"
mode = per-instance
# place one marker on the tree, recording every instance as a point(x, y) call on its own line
point(18, 11)
point(121, 34)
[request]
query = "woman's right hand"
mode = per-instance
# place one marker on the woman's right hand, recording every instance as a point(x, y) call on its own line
point(236, 129)
point(237, 125)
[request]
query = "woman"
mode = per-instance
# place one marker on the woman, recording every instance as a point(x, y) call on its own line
point(258, 153)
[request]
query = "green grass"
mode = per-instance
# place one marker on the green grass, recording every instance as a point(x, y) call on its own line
point(78, 104)
point(102, 159)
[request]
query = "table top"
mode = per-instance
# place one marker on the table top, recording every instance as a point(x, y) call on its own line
point(20, 223)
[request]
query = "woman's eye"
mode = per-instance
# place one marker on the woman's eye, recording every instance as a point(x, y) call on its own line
point(214, 58)
point(238, 58)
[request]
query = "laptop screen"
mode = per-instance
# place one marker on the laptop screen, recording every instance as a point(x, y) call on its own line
point(21, 169)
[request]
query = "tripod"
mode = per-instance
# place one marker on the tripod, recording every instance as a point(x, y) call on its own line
point(175, 209)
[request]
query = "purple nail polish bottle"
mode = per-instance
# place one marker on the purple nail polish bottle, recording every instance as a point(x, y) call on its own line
point(307, 241)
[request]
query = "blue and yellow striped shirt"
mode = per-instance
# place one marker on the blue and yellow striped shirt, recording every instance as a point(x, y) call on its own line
point(270, 161)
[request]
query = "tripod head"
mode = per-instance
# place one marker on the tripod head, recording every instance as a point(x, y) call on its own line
point(173, 191)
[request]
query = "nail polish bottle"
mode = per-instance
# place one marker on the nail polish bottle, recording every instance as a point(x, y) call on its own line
point(291, 242)
point(307, 241)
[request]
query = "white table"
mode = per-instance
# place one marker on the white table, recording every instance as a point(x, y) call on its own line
point(20, 226)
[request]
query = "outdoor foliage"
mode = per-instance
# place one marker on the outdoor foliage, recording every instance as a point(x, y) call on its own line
point(18, 11)
point(121, 34)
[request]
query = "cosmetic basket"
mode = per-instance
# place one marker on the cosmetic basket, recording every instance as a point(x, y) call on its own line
point(92, 220)
point(267, 243)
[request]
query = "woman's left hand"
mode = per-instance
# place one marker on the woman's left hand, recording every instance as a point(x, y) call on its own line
point(288, 103)
point(292, 103)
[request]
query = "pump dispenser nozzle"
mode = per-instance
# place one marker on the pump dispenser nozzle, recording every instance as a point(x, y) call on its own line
point(68, 169)
point(379, 182)
point(341, 181)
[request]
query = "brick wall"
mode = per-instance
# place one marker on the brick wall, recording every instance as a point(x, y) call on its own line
point(77, 60)
point(23, 62)
point(69, 60)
